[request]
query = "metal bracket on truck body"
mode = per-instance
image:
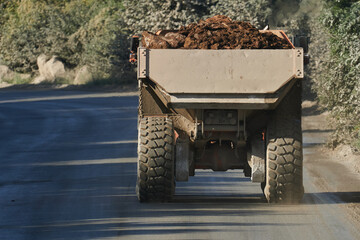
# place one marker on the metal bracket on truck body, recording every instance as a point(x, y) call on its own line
point(299, 63)
point(142, 63)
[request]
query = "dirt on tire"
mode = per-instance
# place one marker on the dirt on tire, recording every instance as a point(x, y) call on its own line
point(218, 32)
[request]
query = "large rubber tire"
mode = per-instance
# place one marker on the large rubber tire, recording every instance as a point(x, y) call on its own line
point(155, 180)
point(284, 158)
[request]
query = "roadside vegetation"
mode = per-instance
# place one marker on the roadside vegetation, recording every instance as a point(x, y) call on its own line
point(80, 32)
point(94, 35)
point(339, 87)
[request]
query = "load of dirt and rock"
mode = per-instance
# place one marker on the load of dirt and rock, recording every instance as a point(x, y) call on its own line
point(218, 32)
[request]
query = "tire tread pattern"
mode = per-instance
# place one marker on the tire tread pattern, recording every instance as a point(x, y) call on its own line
point(284, 178)
point(155, 159)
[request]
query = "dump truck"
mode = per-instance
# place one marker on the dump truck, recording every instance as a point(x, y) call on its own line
point(220, 110)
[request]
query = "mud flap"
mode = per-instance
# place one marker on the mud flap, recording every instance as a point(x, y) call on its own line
point(257, 160)
point(182, 162)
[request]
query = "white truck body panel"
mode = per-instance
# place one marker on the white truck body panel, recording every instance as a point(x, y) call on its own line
point(238, 71)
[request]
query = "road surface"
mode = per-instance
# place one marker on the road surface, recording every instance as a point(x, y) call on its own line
point(68, 171)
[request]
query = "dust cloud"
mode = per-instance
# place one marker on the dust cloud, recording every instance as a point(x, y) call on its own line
point(286, 10)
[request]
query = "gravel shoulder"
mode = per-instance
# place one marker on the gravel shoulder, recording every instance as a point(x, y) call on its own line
point(336, 171)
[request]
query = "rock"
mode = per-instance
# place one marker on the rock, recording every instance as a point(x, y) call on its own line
point(162, 40)
point(11, 77)
point(41, 61)
point(49, 69)
point(175, 40)
point(6, 73)
point(218, 32)
point(151, 40)
point(83, 75)
point(39, 79)
point(24, 75)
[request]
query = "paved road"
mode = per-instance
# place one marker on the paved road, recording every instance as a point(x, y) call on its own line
point(68, 171)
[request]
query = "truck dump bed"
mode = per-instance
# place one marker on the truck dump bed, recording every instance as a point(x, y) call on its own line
point(234, 76)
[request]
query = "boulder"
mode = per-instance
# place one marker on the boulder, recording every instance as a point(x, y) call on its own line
point(6, 73)
point(49, 69)
point(38, 79)
point(83, 75)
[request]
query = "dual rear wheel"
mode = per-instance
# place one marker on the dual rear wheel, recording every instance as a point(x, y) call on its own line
point(284, 160)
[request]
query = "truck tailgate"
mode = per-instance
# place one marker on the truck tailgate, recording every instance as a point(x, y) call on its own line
point(250, 71)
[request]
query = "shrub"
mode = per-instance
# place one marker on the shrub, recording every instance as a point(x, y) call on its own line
point(141, 15)
point(79, 32)
point(339, 88)
point(102, 44)
point(257, 12)
point(34, 28)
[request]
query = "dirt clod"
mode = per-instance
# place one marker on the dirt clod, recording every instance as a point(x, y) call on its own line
point(218, 32)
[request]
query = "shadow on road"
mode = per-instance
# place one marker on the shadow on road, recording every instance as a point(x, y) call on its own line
point(222, 199)
point(311, 110)
point(317, 131)
point(331, 198)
